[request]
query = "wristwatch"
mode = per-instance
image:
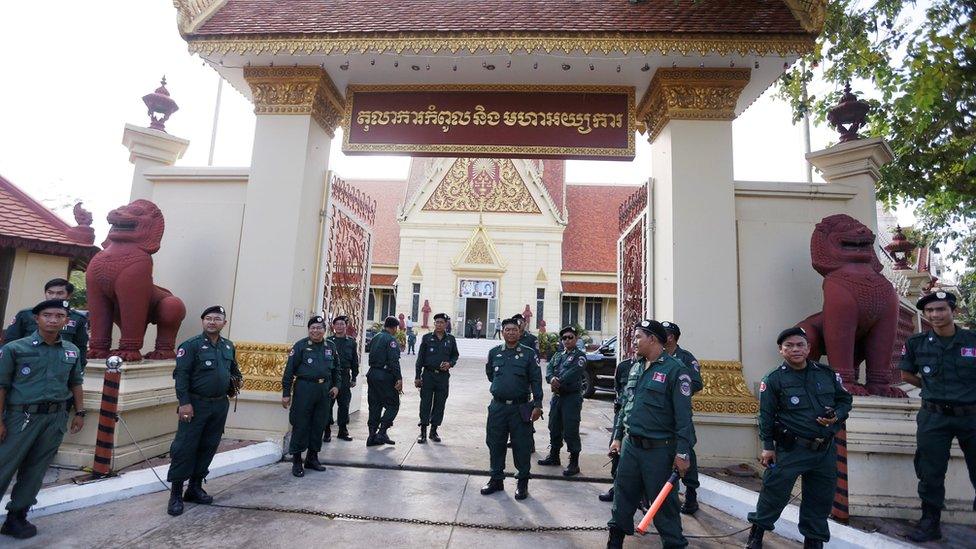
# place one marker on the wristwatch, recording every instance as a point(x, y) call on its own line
point(81, 413)
point(682, 456)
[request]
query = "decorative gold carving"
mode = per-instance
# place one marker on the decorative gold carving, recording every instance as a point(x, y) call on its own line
point(690, 94)
point(479, 254)
point(262, 365)
point(473, 42)
point(482, 184)
point(296, 90)
point(192, 13)
point(725, 389)
point(810, 13)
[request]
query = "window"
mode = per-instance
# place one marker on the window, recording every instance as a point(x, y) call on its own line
point(594, 314)
point(570, 310)
point(389, 304)
point(415, 304)
point(540, 311)
point(371, 306)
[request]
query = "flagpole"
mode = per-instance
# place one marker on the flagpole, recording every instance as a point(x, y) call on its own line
point(213, 132)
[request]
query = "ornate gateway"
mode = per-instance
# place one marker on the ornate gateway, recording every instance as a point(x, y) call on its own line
point(633, 276)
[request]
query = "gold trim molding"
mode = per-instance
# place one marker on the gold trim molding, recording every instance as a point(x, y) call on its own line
point(810, 13)
point(725, 390)
point(190, 14)
point(474, 42)
point(296, 90)
point(683, 93)
point(262, 365)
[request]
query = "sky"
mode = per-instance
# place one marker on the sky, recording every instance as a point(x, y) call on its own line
point(74, 74)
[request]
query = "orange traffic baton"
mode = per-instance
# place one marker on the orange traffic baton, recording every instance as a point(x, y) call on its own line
point(658, 502)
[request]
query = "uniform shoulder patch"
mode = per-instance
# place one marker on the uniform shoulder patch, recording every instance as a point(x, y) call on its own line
point(762, 386)
point(393, 344)
point(582, 361)
point(181, 352)
point(686, 388)
point(695, 365)
point(684, 377)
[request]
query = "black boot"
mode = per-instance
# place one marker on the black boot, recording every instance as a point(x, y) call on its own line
point(196, 494)
point(551, 459)
point(296, 465)
point(522, 489)
point(371, 439)
point(433, 434)
point(690, 506)
point(812, 543)
point(343, 434)
point(16, 525)
point(327, 437)
point(175, 507)
point(573, 468)
point(312, 461)
point(382, 437)
point(492, 486)
point(616, 539)
point(755, 537)
point(422, 439)
point(929, 528)
point(607, 496)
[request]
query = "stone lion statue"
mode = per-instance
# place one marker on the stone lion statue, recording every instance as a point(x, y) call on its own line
point(121, 289)
point(860, 311)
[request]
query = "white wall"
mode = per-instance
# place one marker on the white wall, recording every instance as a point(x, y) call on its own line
point(31, 270)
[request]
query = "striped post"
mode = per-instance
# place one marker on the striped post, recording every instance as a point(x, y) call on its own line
point(841, 511)
point(107, 417)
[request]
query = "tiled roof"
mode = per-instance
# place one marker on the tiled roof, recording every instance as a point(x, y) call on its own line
point(590, 239)
point(590, 288)
point(381, 280)
point(389, 195)
point(26, 223)
point(554, 179)
point(239, 17)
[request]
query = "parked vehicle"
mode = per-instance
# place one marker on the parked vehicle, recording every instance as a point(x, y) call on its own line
point(600, 367)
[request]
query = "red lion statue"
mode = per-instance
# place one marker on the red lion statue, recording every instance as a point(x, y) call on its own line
point(121, 289)
point(860, 312)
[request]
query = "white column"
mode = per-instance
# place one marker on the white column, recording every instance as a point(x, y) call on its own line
point(149, 149)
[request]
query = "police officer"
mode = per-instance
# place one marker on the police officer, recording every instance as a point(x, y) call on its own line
point(690, 506)
point(37, 374)
point(942, 362)
point(438, 354)
point(411, 341)
point(564, 373)
point(802, 404)
point(620, 375)
point(348, 372)
point(514, 373)
point(312, 367)
point(384, 383)
point(653, 435)
point(206, 368)
point(525, 337)
point(75, 329)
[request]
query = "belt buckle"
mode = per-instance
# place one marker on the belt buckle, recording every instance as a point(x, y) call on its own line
point(320, 381)
point(509, 402)
point(947, 409)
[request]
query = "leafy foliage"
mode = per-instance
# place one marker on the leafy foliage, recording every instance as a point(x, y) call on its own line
point(79, 298)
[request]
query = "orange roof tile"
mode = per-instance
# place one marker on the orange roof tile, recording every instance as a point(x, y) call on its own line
point(26, 223)
point(389, 196)
point(590, 288)
point(590, 238)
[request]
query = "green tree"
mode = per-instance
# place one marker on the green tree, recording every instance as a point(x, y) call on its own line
point(79, 298)
point(920, 72)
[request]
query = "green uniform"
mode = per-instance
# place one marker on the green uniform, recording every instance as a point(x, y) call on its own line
point(411, 340)
point(654, 424)
point(790, 401)
point(514, 374)
point(620, 376)
point(313, 369)
point(947, 367)
point(348, 372)
point(75, 331)
point(691, 363)
point(530, 341)
point(203, 375)
point(566, 404)
point(384, 371)
point(435, 382)
point(37, 379)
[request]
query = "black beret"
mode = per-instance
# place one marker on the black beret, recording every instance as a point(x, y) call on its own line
point(213, 309)
point(441, 316)
point(51, 304)
point(518, 317)
point(790, 332)
point(391, 322)
point(654, 328)
point(316, 320)
point(343, 318)
point(569, 329)
point(508, 321)
point(940, 295)
point(672, 327)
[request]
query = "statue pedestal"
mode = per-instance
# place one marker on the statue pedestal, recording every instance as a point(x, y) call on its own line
point(880, 452)
point(147, 404)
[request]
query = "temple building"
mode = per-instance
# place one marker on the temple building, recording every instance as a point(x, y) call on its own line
point(483, 239)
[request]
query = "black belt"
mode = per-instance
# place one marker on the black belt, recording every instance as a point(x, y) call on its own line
point(378, 367)
point(312, 379)
point(816, 444)
point(649, 443)
point(38, 408)
point(201, 397)
point(950, 409)
point(512, 401)
point(562, 392)
point(435, 369)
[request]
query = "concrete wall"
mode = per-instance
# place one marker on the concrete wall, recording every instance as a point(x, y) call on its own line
point(31, 270)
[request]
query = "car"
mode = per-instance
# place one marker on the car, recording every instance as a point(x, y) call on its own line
point(601, 365)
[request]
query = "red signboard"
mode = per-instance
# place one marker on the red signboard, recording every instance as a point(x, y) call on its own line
point(591, 122)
